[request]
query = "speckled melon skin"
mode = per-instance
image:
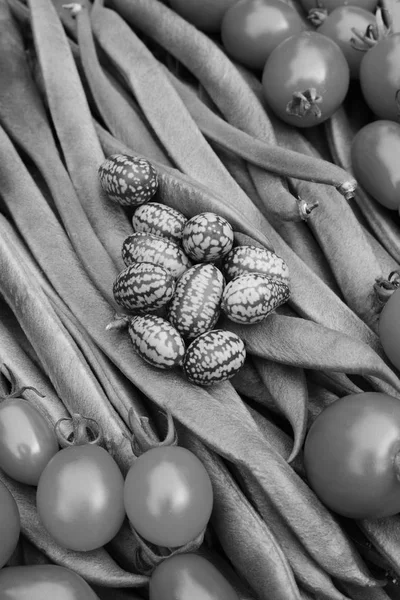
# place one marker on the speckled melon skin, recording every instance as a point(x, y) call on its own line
point(159, 219)
point(195, 306)
point(250, 298)
point(207, 237)
point(156, 341)
point(143, 287)
point(128, 180)
point(214, 356)
point(251, 259)
point(147, 247)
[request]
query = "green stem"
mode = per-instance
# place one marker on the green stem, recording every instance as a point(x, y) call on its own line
point(84, 431)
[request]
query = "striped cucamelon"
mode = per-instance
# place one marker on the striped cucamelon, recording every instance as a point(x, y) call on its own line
point(147, 247)
point(214, 356)
point(207, 237)
point(249, 298)
point(128, 180)
point(195, 305)
point(156, 341)
point(143, 287)
point(159, 219)
point(251, 259)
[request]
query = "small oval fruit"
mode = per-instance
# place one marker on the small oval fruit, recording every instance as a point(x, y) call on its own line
point(159, 219)
point(251, 259)
point(195, 305)
point(128, 180)
point(143, 287)
point(10, 524)
point(147, 247)
point(207, 237)
point(250, 298)
point(156, 341)
point(214, 356)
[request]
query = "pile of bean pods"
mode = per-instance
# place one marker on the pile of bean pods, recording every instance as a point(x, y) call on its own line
point(138, 163)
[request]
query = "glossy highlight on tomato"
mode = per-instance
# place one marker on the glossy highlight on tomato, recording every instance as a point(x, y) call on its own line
point(27, 440)
point(43, 582)
point(351, 456)
point(306, 61)
point(204, 14)
point(338, 26)
point(375, 155)
point(251, 29)
point(10, 525)
point(189, 576)
point(80, 497)
point(380, 78)
point(168, 496)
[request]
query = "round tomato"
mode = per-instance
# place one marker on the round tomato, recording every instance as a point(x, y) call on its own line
point(375, 155)
point(380, 78)
point(80, 497)
point(168, 496)
point(338, 26)
point(186, 576)
point(389, 328)
point(43, 581)
point(204, 14)
point(27, 441)
point(251, 29)
point(352, 456)
point(330, 5)
point(305, 79)
point(10, 525)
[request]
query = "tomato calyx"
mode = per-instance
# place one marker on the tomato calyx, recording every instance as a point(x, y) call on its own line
point(374, 33)
point(16, 391)
point(317, 16)
point(384, 288)
point(305, 103)
point(84, 431)
point(143, 435)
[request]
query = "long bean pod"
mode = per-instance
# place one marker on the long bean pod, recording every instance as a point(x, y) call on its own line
point(73, 123)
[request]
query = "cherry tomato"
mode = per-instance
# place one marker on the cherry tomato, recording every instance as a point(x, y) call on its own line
point(185, 576)
point(204, 14)
point(389, 328)
point(330, 5)
point(338, 26)
point(251, 29)
point(306, 61)
point(27, 441)
point(41, 582)
point(10, 525)
point(380, 78)
point(168, 496)
point(375, 155)
point(349, 456)
point(80, 497)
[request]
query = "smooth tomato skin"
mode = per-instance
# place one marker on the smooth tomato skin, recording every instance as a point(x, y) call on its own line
point(338, 26)
point(375, 155)
point(389, 328)
point(43, 581)
point(251, 29)
point(204, 14)
point(185, 576)
point(330, 5)
point(10, 525)
point(349, 453)
point(27, 441)
point(168, 496)
point(380, 77)
point(303, 61)
point(80, 497)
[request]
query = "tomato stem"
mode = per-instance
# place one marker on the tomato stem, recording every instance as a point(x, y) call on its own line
point(143, 435)
point(384, 288)
point(317, 16)
point(84, 431)
point(16, 392)
point(305, 103)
